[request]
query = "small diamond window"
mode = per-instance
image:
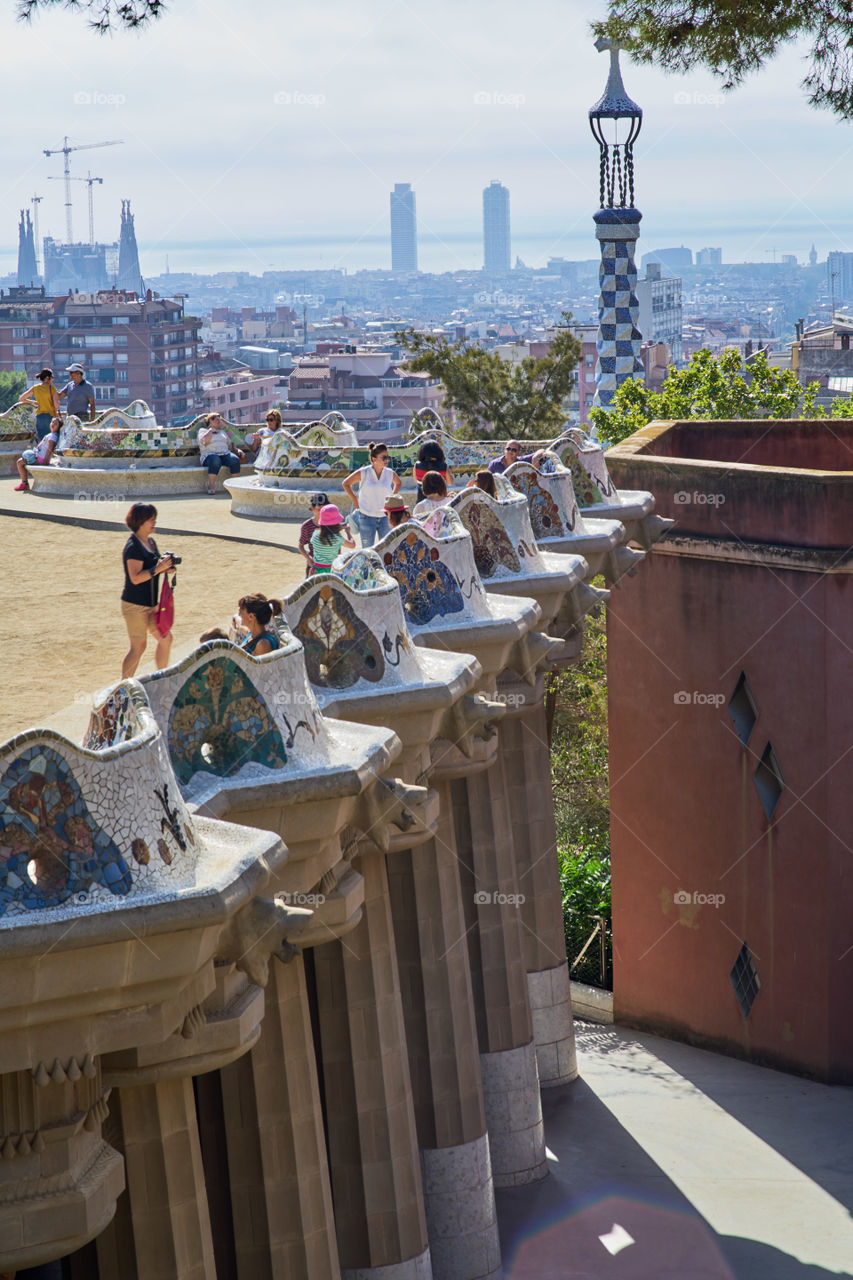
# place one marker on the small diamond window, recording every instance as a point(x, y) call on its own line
point(743, 709)
point(769, 782)
point(745, 980)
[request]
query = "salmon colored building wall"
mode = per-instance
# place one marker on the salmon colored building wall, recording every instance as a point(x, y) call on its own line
point(755, 578)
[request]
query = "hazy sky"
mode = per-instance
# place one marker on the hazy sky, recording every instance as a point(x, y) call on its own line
point(262, 133)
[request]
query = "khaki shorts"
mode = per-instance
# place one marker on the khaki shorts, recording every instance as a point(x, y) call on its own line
point(139, 620)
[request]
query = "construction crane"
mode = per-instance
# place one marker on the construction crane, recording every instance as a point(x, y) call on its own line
point(91, 182)
point(65, 151)
point(35, 201)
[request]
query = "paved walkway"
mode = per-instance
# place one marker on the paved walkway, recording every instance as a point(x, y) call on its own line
point(193, 514)
point(691, 1165)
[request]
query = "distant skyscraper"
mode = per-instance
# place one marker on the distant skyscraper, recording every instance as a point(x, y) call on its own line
point(27, 270)
point(839, 277)
point(129, 276)
point(404, 235)
point(709, 257)
point(496, 236)
point(812, 256)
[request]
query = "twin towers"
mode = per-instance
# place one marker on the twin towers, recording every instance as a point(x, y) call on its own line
point(496, 237)
point(617, 228)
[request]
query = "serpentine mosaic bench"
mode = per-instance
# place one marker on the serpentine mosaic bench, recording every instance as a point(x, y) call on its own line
point(94, 827)
point(125, 452)
point(17, 432)
point(292, 464)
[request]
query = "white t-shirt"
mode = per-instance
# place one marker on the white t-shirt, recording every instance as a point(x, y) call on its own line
point(219, 442)
point(45, 443)
point(373, 490)
point(427, 505)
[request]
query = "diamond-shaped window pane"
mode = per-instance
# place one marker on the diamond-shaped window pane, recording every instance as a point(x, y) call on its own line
point(745, 980)
point(769, 782)
point(743, 709)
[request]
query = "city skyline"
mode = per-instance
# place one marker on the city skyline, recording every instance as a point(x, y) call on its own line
point(306, 184)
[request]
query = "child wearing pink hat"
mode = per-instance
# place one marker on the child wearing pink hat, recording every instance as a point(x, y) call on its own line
point(328, 538)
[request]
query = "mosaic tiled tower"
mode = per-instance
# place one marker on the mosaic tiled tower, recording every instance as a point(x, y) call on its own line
point(617, 226)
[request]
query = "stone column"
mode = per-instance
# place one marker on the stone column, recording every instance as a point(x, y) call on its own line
point(441, 1036)
point(490, 898)
point(373, 1147)
point(280, 1194)
point(524, 749)
point(165, 1181)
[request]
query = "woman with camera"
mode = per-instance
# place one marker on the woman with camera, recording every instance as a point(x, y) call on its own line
point(143, 566)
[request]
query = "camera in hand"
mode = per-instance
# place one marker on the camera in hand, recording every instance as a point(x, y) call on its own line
point(176, 560)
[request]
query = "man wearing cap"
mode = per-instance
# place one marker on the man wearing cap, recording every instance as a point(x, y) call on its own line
point(80, 393)
point(510, 455)
point(306, 530)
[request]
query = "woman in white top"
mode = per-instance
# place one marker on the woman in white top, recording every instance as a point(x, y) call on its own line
point(375, 482)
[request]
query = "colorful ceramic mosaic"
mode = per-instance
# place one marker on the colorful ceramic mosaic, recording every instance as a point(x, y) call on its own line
point(442, 523)
point(339, 648)
point(618, 341)
point(428, 588)
point(493, 549)
point(116, 720)
point(18, 423)
point(544, 513)
point(51, 847)
point(219, 722)
point(114, 437)
point(584, 457)
point(362, 571)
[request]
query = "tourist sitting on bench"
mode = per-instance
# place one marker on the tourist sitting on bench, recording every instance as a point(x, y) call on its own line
point(39, 456)
point(217, 450)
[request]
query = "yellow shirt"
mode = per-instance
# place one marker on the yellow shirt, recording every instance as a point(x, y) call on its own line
point(44, 393)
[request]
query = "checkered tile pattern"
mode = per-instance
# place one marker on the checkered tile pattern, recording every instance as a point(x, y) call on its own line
point(618, 310)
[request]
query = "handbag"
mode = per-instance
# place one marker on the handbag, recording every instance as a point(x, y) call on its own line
point(165, 612)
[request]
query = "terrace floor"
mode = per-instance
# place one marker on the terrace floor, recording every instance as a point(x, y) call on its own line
point(690, 1165)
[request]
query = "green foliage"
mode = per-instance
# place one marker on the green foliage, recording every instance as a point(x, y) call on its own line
point(579, 773)
point(12, 387)
point(492, 397)
point(841, 408)
point(710, 387)
point(733, 38)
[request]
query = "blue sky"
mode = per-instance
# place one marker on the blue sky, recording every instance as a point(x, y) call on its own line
point(248, 126)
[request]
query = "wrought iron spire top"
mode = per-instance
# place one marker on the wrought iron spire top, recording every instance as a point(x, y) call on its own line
point(617, 158)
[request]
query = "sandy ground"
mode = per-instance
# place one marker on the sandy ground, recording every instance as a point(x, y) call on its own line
point(61, 632)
